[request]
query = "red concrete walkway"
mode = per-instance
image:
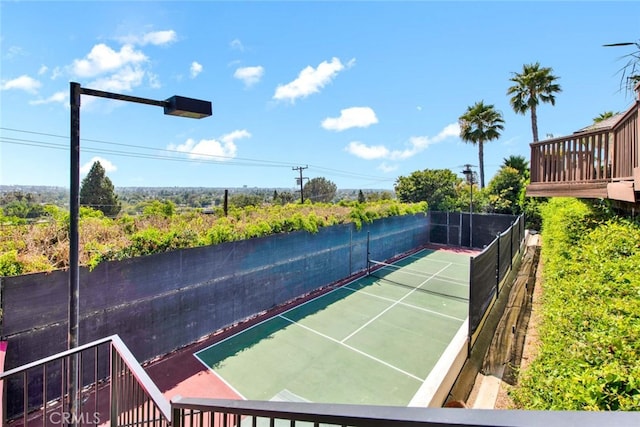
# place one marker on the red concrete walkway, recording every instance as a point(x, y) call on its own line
point(181, 374)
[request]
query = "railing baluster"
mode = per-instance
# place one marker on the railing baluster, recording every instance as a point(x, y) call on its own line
point(25, 397)
point(44, 394)
point(95, 380)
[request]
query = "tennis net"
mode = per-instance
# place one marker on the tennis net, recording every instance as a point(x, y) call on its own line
point(419, 280)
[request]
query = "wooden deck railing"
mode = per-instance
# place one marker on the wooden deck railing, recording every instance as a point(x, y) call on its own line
point(589, 159)
point(575, 158)
point(626, 146)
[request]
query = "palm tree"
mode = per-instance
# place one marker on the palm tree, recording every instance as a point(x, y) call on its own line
point(479, 124)
point(630, 73)
point(604, 116)
point(532, 86)
point(519, 163)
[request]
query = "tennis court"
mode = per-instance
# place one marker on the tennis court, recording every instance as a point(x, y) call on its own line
point(373, 341)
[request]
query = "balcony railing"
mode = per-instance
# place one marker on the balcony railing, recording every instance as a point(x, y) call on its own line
point(113, 390)
point(187, 412)
point(584, 163)
point(117, 392)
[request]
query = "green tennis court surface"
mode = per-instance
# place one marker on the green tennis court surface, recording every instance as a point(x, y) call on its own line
point(372, 341)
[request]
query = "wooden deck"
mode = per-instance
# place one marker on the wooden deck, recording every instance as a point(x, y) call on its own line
point(600, 161)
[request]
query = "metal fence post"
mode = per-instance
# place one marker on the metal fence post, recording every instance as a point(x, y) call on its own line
point(498, 266)
point(511, 245)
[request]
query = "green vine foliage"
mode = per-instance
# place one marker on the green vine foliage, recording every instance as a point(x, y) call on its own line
point(589, 357)
point(160, 229)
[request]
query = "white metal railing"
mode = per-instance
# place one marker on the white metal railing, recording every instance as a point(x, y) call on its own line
point(112, 390)
point(187, 412)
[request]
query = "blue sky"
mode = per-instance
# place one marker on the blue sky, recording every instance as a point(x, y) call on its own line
point(359, 92)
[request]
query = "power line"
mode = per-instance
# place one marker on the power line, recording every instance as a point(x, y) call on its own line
point(211, 156)
point(169, 155)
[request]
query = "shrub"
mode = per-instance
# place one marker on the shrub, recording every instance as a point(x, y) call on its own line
point(589, 358)
point(10, 265)
point(45, 246)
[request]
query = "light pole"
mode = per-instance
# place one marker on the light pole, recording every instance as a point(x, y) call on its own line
point(468, 173)
point(174, 106)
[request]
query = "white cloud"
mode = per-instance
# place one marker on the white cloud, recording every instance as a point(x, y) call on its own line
point(154, 80)
point(361, 117)
point(61, 97)
point(156, 38)
point(416, 144)
point(249, 75)
point(103, 59)
point(159, 37)
point(24, 82)
point(14, 51)
point(57, 72)
point(367, 152)
point(310, 80)
point(236, 44)
point(106, 164)
point(222, 149)
point(420, 143)
point(43, 69)
point(386, 168)
point(452, 129)
point(122, 81)
point(196, 68)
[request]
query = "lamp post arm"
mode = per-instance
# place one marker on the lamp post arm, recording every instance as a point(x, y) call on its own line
point(120, 97)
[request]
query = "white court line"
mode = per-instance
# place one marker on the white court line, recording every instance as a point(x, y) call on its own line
point(220, 377)
point(352, 348)
point(394, 304)
point(406, 269)
point(362, 291)
point(291, 321)
point(426, 258)
point(286, 311)
point(294, 308)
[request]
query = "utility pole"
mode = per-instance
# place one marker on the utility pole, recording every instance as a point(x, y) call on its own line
point(300, 180)
point(468, 173)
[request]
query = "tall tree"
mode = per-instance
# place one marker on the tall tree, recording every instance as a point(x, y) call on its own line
point(504, 191)
point(437, 187)
point(479, 124)
point(97, 192)
point(533, 85)
point(320, 190)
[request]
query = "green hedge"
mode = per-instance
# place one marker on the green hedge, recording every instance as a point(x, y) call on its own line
point(43, 246)
point(589, 358)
